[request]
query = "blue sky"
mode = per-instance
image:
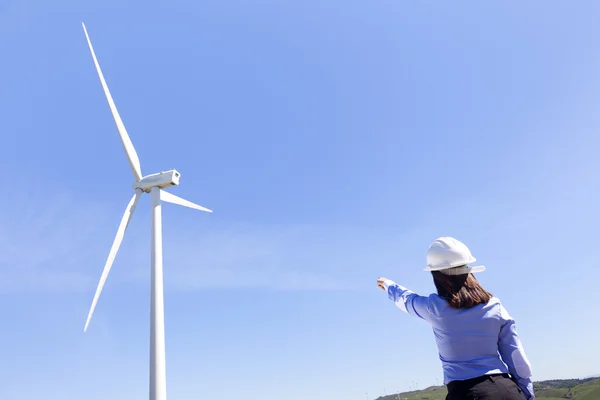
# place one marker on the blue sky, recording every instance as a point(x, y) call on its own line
point(334, 141)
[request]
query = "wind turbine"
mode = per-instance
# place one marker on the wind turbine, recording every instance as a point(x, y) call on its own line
point(154, 185)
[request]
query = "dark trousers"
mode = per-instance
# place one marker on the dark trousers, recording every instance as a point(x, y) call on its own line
point(487, 387)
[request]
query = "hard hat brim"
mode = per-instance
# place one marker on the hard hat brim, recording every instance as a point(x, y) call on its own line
point(460, 270)
point(449, 265)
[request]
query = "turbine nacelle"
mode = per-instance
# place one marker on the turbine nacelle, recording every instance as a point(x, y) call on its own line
point(161, 180)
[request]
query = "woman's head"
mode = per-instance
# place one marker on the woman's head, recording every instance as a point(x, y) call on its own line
point(461, 291)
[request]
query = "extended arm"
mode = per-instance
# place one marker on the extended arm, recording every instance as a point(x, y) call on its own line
point(512, 353)
point(407, 300)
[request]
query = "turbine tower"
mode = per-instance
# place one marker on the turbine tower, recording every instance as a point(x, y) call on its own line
point(154, 185)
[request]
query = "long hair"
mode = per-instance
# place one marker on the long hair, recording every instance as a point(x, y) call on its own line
point(460, 291)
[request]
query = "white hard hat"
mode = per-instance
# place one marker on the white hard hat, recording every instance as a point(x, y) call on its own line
point(445, 254)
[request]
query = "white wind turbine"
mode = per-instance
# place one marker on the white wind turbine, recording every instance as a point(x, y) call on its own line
point(153, 184)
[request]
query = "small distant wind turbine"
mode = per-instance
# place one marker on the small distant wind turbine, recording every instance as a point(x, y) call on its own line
point(153, 184)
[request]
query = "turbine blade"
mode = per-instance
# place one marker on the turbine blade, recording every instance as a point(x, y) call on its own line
point(134, 161)
point(113, 251)
point(171, 198)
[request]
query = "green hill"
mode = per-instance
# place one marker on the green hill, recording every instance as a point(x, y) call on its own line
point(557, 389)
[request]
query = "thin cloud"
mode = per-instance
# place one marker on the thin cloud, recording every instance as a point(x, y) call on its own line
point(43, 235)
point(278, 258)
point(57, 242)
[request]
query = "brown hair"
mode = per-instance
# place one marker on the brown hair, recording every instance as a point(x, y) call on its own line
point(460, 291)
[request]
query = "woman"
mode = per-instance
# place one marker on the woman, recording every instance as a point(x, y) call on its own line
point(482, 356)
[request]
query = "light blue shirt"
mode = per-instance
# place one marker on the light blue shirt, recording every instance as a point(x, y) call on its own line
point(472, 342)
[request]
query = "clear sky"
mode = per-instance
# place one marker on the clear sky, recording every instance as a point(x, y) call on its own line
point(334, 141)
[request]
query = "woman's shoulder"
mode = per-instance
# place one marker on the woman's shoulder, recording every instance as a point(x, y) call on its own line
point(498, 309)
point(495, 301)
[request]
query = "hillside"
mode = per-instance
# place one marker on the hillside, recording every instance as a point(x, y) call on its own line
point(558, 389)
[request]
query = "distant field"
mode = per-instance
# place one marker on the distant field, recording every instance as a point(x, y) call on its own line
point(559, 389)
